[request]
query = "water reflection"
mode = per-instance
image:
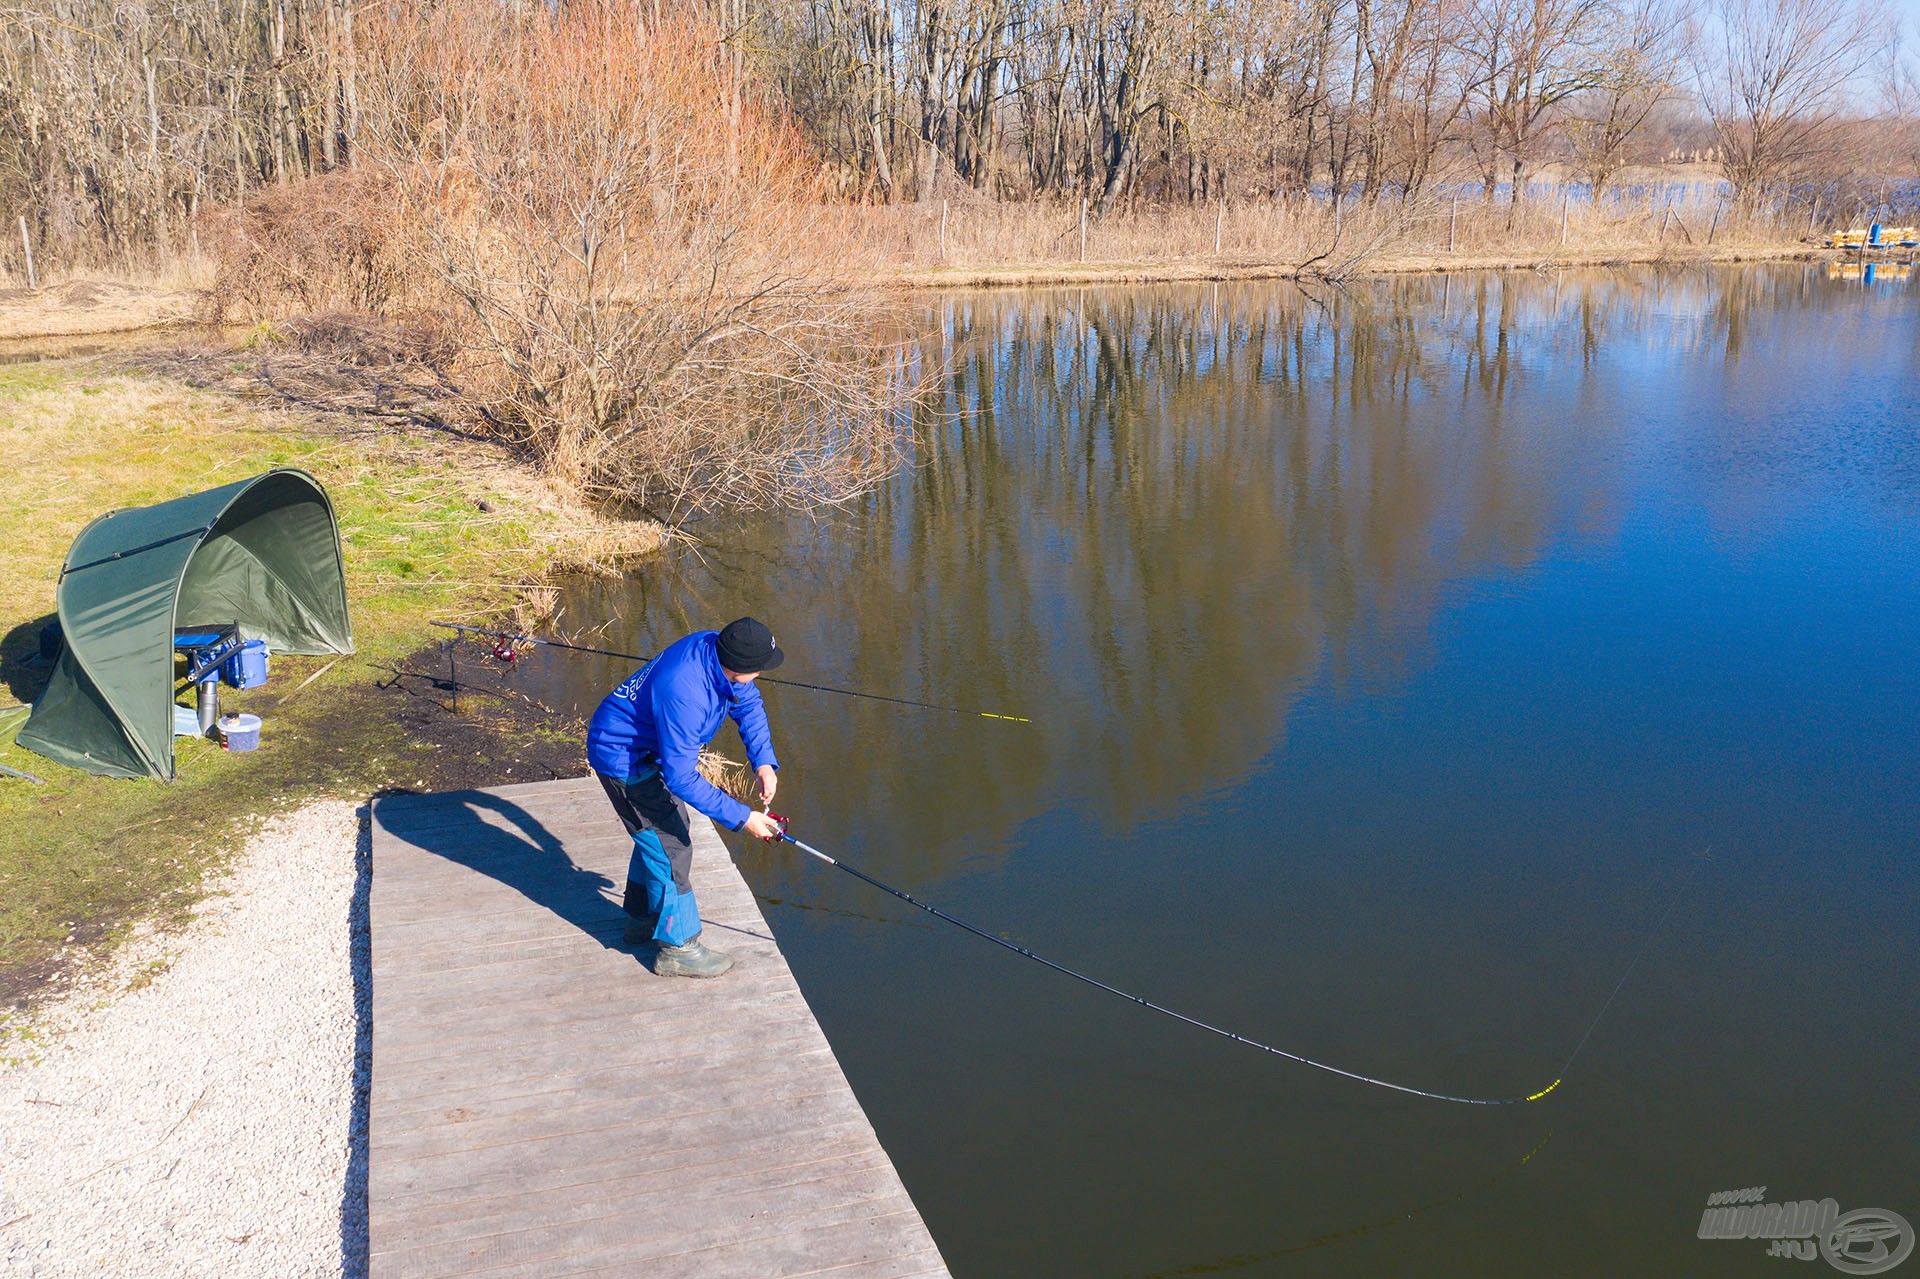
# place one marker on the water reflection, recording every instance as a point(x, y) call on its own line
point(1143, 516)
point(1387, 651)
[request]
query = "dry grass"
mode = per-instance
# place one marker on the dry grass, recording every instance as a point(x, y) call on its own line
point(1041, 243)
point(78, 447)
point(92, 302)
point(1012, 244)
point(730, 775)
point(431, 527)
point(423, 515)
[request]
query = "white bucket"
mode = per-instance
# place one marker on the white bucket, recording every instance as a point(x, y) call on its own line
point(241, 732)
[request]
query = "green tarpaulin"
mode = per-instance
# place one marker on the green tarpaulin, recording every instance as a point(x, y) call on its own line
point(263, 554)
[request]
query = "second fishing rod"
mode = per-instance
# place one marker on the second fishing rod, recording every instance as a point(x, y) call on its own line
point(504, 642)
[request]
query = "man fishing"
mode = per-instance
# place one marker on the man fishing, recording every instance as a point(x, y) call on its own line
point(644, 743)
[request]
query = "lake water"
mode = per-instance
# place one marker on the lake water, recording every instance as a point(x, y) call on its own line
point(1392, 658)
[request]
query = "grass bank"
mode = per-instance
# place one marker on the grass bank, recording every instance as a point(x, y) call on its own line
point(430, 524)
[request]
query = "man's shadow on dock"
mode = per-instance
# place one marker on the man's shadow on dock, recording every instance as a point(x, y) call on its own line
point(524, 856)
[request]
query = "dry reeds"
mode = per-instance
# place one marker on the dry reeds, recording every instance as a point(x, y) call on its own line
point(729, 775)
point(1308, 235)
point(650, 293)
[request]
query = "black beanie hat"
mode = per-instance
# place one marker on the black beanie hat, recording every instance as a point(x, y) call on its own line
point(747, 646)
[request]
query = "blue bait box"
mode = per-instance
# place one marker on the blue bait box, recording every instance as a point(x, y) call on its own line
point(247, 668)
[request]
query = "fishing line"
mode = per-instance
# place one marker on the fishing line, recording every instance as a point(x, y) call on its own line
point(1222, 1031)
point(1646, 943)
point(503, 637)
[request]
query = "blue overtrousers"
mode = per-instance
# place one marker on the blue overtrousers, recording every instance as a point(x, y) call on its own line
point(662, 861)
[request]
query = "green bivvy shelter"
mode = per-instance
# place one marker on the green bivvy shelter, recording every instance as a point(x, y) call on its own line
point(262, 555)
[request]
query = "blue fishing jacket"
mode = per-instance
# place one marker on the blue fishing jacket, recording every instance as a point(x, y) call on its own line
point(670, 708)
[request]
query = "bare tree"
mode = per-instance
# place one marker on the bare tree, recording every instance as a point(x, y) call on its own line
point(1638, 74)
point(121, 120)
point(650, 290)
point(1772, 76)
point(1534, 55)
point(123, 117)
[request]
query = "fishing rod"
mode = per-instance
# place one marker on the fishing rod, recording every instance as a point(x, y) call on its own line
point(504, 640)
point(786, 837)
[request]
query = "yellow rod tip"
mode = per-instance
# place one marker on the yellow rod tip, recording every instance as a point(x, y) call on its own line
point(1544, 1091)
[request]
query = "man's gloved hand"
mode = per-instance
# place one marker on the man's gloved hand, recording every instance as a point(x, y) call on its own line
point(769, 782)
point(761, 826)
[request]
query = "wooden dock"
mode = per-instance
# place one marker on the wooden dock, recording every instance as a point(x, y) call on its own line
point(542, 1105)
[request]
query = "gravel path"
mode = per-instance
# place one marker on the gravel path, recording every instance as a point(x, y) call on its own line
point(213, 1120)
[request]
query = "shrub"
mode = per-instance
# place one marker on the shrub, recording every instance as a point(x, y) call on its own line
point(651, 292)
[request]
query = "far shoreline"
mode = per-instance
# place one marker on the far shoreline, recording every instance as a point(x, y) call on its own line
point(66, 312)
point(1191, 271)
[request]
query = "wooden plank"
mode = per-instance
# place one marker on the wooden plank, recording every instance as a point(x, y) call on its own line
point(619, 1085)
point(542, 1105)
point(722, 1110)
point(897, 1266)
point(596, 1013)
point(538, 1062)
point(833, 1231)
point(537, 1170)
point(637, 1197)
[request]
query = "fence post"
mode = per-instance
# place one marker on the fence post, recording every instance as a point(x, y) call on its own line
point(1813, 211)
point(943, 230)
point(1336, 215)
point(1219, 216)
point(1453, 222)
point(1714, 225)
point(1083, 228)
point(1565, 196)
point(26, 244)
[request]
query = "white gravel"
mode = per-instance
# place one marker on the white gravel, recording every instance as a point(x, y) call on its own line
point(213, 1121)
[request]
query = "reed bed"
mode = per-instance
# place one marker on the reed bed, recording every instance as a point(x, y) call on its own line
point(1310, 235)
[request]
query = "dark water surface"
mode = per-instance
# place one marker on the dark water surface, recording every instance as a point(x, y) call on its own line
point(1391, 657)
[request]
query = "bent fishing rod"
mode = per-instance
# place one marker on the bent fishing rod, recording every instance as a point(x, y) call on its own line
point(786, 837)
point(504, 640)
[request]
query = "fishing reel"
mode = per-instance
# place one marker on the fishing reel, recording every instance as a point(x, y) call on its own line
point(778, 820)
point(504, 650)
